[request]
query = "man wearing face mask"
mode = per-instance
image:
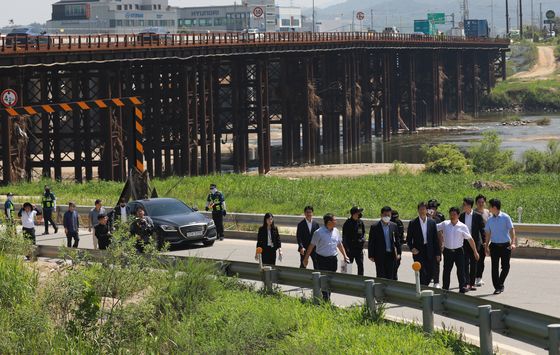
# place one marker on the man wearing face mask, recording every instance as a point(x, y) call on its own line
point(49, 206)
point(384, 248)
point(438, 217)
point(216, 202)
point(354, 237)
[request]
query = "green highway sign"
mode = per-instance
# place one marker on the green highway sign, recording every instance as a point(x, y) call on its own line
point(550, 14)
point(437, 18)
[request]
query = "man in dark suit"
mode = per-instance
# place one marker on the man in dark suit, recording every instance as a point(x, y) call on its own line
point(423, 242)
point(384, 248)
point(475, 222)
point(354, 237)
point(304, 233)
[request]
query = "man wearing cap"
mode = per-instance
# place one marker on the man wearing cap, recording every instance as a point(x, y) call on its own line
point(71, 223)
point(354, 237)
point(49, 206)
point(9, 209)
point(327, 242)
point(454, 234)
point(423, 242)
point(383, 247)
point(93, 220)
point(215, 201)
point(438, 217)
point(28, 213)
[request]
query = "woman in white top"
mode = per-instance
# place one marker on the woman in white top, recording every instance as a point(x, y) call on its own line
point(268, 239)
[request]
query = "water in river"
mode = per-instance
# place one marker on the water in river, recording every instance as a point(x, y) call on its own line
point(406, 147)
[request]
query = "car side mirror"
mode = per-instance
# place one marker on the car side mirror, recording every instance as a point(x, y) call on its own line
point(195, 208)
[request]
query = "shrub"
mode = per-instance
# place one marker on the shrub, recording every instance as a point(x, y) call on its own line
point(399, 169)
point(487, 156)
point(445, 159)
point(534, 161)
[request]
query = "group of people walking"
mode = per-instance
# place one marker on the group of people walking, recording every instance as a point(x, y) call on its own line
point(462, 241)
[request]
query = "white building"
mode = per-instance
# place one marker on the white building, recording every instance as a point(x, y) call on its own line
point(111, 16)
point(289, 19)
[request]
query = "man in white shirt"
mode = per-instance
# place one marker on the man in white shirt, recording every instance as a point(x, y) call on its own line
point(28, 213)
point(454, 234)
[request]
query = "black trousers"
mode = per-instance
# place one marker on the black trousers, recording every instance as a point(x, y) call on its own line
point(397, 265)
point(327, 263)
point(450, 257)
point(269, 256)
point(480, 262)
point(385, 266)
point(471, 265)
point(104, 242)
point(499, 253)
point(47, 216)
point(358, 256)
point(435, 271)
point(69, 237)
point(29, 233)
point(427, 269)
point(313, 257)
point(218, 219)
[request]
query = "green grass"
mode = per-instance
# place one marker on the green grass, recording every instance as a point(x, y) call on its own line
point(532, 96)
point(185, 308)
point(536, 193)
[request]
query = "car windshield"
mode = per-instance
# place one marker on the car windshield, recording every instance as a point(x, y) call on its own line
point(167, 207)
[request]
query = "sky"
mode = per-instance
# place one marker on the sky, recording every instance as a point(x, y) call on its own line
point(24, 12)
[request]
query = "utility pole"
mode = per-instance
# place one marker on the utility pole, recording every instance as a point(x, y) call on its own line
point(507, 18)
point(353, 17)
point(492, 28)
point(532, 20)
point(465, 11)
point(371, 19)
point(521, 19)
point(313, 15)
point(540, 16)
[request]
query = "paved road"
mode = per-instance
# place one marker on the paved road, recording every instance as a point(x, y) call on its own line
point(531, 284)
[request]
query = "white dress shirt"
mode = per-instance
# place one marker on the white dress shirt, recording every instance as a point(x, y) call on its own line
point(28, 219)
point(424, 227)
point(468, 220)
point(123, 214)
point(454, 235)
point(309, 225)
point(269, 241)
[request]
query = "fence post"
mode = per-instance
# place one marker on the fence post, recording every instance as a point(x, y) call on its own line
point(485, 329)
point(554, 339)
point(370, 295)
point(317, 295)
point(267, 278)
point(427, 311)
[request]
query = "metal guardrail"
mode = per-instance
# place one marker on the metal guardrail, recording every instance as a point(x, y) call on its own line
point(529, 327)
point(69, 43)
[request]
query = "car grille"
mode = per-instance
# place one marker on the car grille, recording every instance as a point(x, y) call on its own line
point(192, 229)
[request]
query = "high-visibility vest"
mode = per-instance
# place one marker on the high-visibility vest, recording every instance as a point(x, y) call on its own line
point(216, 201)
point(48, 201)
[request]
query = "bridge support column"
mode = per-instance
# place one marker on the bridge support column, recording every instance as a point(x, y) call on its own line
point(412, 92)
point(216, 121)
point(459, 86)
point(504, 65)
point(475, 85)
point(366, 86)
point(240, 131)
point(309, 112)
point(387, 99)
point(185, 127)
point(263, 119)
point(6, 137)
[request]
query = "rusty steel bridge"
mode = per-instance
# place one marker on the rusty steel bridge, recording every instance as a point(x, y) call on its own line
point(207, 96)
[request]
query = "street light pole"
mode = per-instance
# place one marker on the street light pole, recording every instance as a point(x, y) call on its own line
point(521, 19)
point(507, 18)
point(313, 16)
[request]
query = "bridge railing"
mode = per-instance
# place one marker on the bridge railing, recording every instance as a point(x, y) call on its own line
point(529, 327)
point(46, 43)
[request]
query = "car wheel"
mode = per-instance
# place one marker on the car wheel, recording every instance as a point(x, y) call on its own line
point(208, 243)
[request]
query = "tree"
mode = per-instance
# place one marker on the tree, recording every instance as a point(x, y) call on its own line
point(487, 156)
point(445, 159)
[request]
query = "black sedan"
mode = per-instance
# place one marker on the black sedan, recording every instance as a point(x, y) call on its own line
point(177, 223)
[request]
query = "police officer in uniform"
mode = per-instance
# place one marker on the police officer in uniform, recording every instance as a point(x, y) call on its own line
point(215, 202)
point(354, 237)
point(49, 206)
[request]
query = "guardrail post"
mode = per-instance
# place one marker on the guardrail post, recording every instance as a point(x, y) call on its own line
point(317, 295)
point(485, 329)
point(370, 295)
point(554, 339)
point(267, 278)
point(427, 297)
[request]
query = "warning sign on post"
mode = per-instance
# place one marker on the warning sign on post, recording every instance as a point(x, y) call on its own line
point(258, 11)
point(9, 98)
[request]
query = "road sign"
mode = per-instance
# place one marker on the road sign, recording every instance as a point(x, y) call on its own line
point(258, 11)
point(360, 15)
point(437, 18)
point(9, 98)
point(549, 22)
point(550, 14)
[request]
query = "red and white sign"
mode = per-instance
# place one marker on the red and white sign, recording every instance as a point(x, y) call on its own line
point(258, 11)
point(9, 98)
point(360, 16)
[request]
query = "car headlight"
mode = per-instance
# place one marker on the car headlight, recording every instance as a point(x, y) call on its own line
point(167, 228)
point(211, 224)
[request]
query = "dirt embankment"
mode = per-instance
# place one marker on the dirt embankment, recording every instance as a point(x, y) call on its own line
point(545, 67)
point(340, 170)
